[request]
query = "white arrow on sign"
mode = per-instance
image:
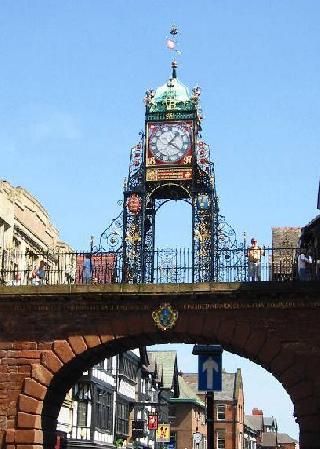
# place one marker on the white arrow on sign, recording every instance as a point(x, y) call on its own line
point(210, 365)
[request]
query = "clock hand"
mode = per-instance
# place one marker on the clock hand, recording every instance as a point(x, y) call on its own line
point(174, 145)
point(173, 138)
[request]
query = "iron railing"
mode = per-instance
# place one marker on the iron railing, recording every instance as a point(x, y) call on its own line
point(170, 266)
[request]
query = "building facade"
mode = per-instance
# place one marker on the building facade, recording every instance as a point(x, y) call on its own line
point(262, 432)
point(105, 405)
point(228, 410)
point(27, 237)
point(188, 428)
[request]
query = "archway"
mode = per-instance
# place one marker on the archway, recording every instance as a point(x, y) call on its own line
point(51, 336)
point(63, 380)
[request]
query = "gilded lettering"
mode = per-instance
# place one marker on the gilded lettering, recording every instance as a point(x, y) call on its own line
point(151, 161)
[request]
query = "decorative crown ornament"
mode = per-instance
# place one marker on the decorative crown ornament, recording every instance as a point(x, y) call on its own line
point(165, 316)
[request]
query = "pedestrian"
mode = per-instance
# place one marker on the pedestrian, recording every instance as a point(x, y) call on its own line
point(304, 265)
point(255, 252)
point(38, 275)
point(87, 269)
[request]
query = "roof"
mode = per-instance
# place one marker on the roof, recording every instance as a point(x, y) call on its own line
point(173, 94)
point(192, 380)
point(269, 439)
point(255, 422)
point(166, 362)
point(228, 388)
point(314, 222)
point(309, 231)
point(177, 90)
point(270, 421)
point(187, 394)
point(285, 438)
point(231, 382)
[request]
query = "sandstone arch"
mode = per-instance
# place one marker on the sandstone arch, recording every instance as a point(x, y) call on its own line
point(52, 335)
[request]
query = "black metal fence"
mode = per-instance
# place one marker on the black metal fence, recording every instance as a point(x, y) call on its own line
point(170, 266)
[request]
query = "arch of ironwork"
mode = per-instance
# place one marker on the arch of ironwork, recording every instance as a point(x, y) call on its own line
point(175, 264)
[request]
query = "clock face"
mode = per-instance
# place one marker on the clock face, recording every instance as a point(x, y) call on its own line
point(169, 143)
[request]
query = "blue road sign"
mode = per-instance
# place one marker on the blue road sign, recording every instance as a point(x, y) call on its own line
point(210, 372)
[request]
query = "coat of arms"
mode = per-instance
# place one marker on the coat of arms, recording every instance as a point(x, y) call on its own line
point(165, 316)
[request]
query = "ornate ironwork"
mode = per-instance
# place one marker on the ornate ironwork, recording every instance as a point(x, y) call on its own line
point(168, 265)
point(230, 256)
point(111, 237)
point(172, 266)
point(149, 187)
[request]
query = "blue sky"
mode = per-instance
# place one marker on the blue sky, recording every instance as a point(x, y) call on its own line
point(73, 76)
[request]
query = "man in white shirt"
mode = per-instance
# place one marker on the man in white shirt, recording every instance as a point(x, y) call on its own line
point(254, 253)
point(304, 262)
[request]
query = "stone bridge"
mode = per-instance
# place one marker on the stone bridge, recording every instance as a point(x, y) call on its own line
point(49, 335)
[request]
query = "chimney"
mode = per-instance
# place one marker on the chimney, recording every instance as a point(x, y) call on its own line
point(256, 411)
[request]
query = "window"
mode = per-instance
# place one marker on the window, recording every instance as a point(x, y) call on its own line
point(221, 439)
point(122, 423)
point(128, 368)
point(104, 410)
point(109, 365)
point(82, 414)
point(100, 365)
point(221, 412)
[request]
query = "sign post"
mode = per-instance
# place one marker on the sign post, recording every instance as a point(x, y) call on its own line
point(209, 380)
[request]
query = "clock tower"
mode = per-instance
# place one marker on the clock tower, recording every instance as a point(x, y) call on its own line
point(171, 162)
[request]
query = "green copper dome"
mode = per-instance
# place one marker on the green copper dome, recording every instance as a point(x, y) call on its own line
point(171, 92)
point(171, 96)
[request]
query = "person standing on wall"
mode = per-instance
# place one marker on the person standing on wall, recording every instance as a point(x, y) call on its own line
point(255, 253)
point(87, 269)
point(304, 265)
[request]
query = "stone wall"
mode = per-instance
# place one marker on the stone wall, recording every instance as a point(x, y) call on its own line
point(285, 237)
point(25, 220)
point(51, 334)
point(285, 240)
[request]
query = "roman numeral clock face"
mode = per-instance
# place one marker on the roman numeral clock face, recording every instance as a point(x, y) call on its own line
point(169, 143)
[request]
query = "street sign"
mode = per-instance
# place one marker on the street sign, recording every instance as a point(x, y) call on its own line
point(210, 372)
point(163, 433)
point(152, 421)
point(209, 380)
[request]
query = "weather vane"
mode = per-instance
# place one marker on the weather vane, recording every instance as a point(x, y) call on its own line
point(172, 41)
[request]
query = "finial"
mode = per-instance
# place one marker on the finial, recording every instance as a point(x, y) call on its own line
point(174, 66)
point(171, 45)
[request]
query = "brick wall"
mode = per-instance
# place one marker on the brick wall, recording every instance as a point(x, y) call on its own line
point(27, 369)
point(189, 418)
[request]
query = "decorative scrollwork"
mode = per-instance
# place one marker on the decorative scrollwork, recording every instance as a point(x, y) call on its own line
point(111, 237)
point(230, 264)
